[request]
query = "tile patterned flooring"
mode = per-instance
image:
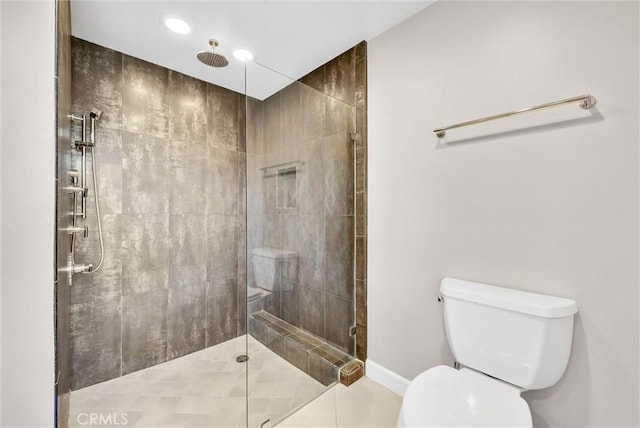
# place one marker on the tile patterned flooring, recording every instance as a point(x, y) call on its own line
point(203, 389)
point(365, 404)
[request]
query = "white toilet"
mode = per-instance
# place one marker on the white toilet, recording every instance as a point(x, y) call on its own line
point(506, 342)
point(270, 267)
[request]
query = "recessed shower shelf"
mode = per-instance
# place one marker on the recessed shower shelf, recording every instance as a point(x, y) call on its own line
point(282, 167)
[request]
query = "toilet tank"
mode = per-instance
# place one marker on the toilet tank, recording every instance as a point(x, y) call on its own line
point(520, 337)
point(271, 265)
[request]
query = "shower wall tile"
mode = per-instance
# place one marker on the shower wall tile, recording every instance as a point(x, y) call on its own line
point(361, 340)
point(255, 180)
point(97, 82)
point(222, 181)
point(290, 232)
point(361, 210)
point(255, 126)
point(144, 330)
point(187, 153)
point(361, 258)
point(95, 340)
point(186, 319)
point(108, 280)
point(311, 259)
point(340, 117)
point(145, 98)
point(291, 116)
point(361, 169)
point(242, 122)
point(338, 175)
point(222, 247)
point(170, 182)
point(361, 303)
point(187, 250)
point(140, 148)
point(272, 134)
point(144, 174)
point(186, 194)
point(145, 253)
point(187, 100)
point(312, 311)
point(340, 77)
point(313, 114)
point(339, 256)
point(242, 183)
point(241, 305)
point(108, 148)
point(272, 231)
point(109, 188)
point(242, 246)
point(290, 303)
point(360, 76)
point(338, 323)
point(311, 186)
point(222, 117)
point(254, 234)
point(315, 79)
point(269, 183)
point(221, 311)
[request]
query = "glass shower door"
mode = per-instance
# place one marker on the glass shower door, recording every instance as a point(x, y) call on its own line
point(300, 243)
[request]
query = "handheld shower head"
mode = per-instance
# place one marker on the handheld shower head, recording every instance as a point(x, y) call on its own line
point(95, 113)
point(211, 58)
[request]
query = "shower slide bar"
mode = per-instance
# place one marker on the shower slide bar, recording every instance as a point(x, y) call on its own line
point(586, 102)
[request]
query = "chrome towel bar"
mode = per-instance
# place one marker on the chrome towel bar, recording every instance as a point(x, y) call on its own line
point(586, 102)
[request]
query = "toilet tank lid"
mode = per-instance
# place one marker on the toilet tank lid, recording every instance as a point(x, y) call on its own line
point(274, 253)
point(540, 305)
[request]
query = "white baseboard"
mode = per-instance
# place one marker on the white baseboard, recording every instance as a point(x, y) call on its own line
point(386, 377)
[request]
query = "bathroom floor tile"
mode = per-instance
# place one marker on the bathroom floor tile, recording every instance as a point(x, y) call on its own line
point(206, 388)
point(363, 404)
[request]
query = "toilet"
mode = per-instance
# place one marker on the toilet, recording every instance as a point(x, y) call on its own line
point(505, 342)
point(274, 269)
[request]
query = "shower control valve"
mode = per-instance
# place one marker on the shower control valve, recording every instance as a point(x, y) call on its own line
point(76, 229)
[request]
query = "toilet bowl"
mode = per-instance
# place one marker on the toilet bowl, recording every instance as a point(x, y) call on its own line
point(506, 341)
point(446, 397)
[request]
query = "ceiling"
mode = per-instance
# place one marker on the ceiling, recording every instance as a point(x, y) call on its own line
point(291, 37)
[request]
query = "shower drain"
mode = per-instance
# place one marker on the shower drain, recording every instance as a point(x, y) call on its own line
point(242, 358)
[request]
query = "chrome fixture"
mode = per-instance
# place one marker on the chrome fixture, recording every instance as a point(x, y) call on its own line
point(586, 102)
point(78, 188)
point(211, 58)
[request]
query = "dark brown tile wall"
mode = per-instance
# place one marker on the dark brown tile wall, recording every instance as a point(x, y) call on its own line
point(310, 123)
point(171, 168)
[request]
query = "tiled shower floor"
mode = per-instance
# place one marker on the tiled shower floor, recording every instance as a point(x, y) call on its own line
point(203, 389)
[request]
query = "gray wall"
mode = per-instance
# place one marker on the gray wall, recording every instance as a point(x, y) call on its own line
point(27, 175)
point(170, 161)
point(552, 209)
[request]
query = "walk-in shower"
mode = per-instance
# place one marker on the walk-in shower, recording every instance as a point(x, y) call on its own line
point(223, 292)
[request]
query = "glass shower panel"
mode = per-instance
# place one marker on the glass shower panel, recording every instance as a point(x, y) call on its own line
point(300, 242)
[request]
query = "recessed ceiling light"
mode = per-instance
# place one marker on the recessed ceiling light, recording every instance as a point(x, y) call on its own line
point(243, 55)
point(177, 25)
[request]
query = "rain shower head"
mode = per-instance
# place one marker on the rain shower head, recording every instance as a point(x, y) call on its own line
point(211, 58)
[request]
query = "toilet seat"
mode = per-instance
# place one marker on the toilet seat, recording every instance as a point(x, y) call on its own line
point(446, 397)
